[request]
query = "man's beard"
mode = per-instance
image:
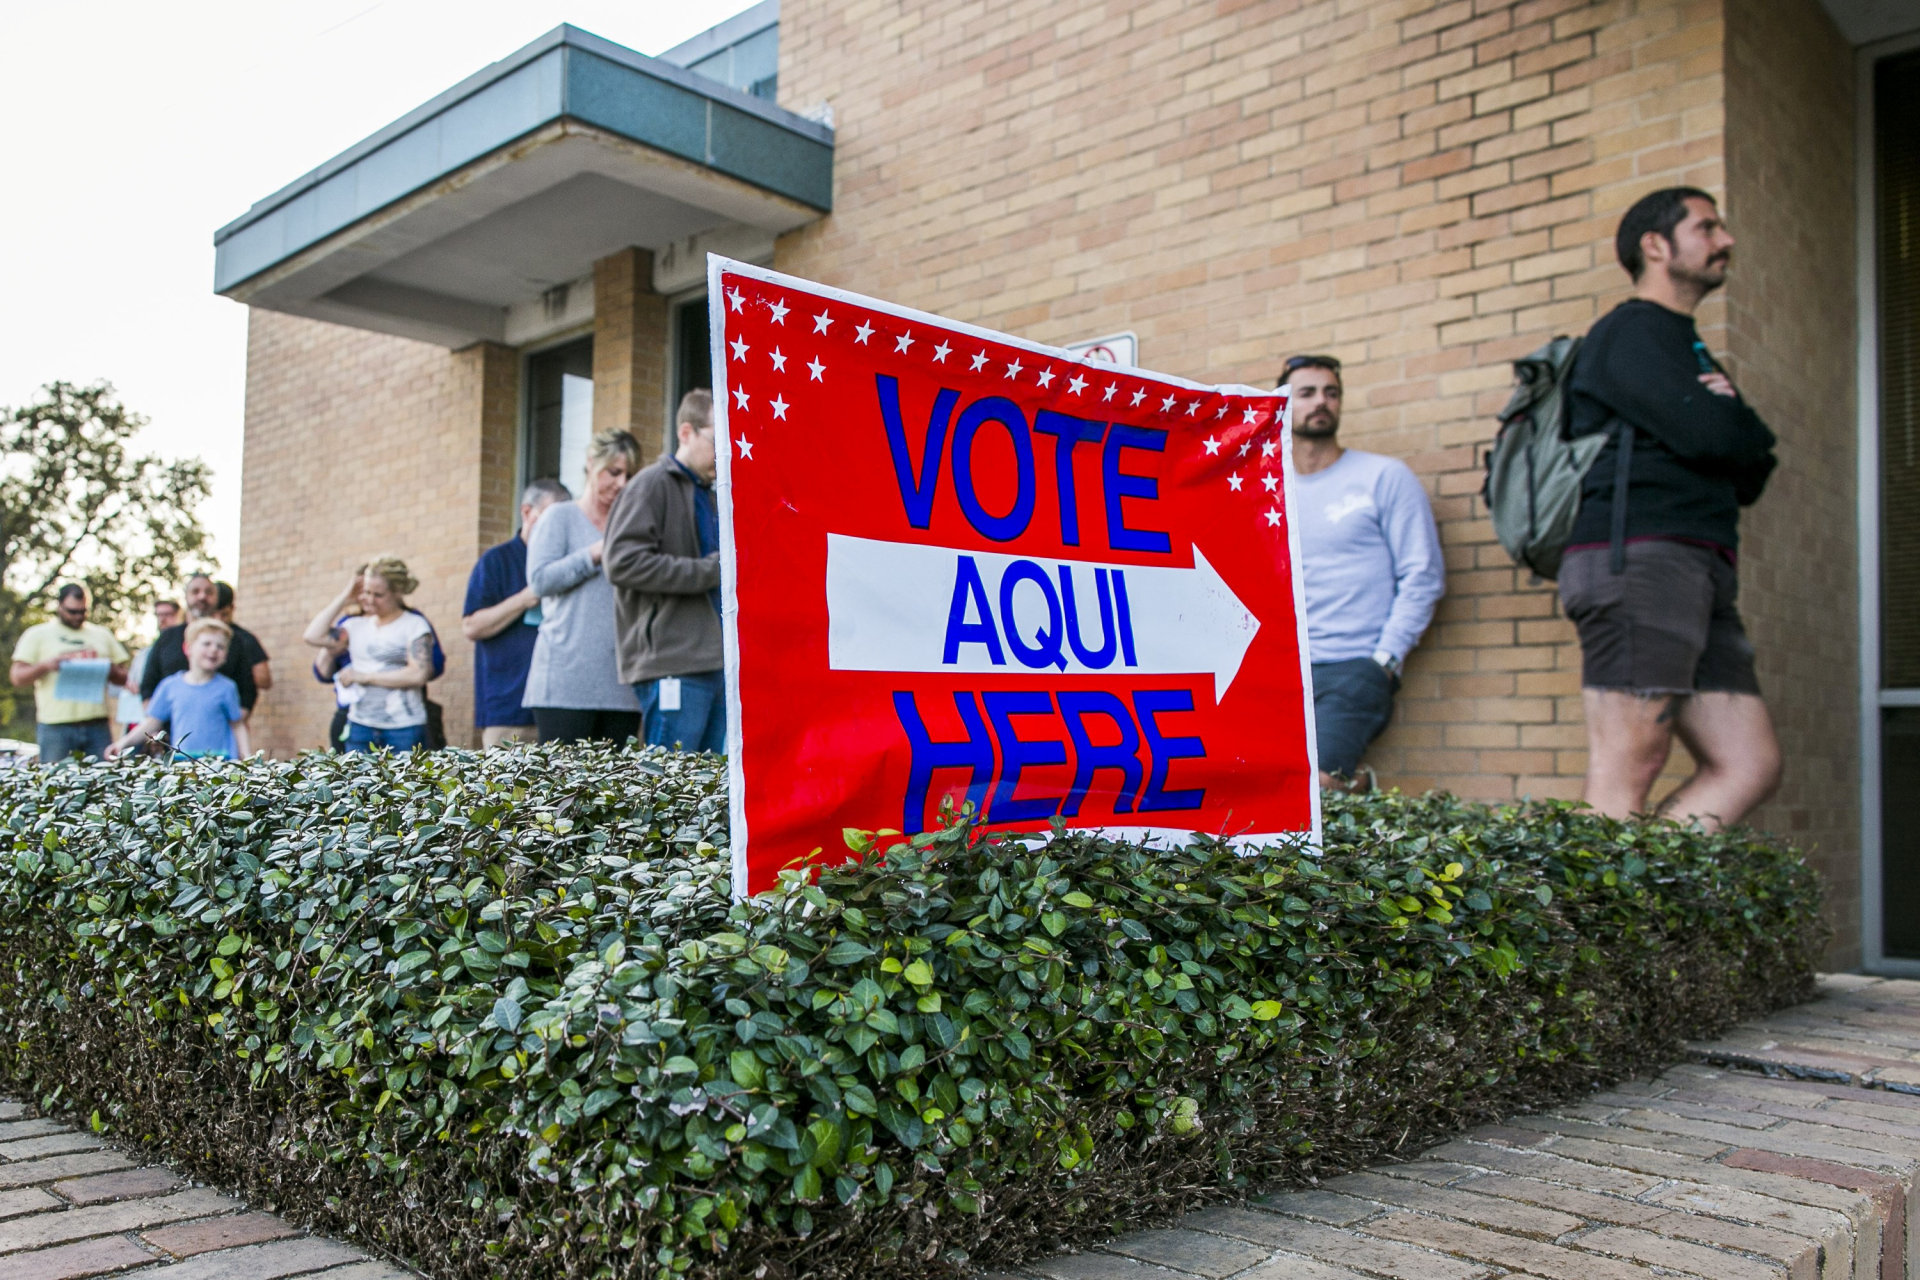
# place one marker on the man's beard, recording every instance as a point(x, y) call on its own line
point(1707, 278)
point(196, 613)
point(1318, 426)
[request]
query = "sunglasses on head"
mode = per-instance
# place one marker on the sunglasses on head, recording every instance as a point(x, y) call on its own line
point(1307, 362)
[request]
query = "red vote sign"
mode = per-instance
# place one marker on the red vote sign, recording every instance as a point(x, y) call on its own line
point(959, 564)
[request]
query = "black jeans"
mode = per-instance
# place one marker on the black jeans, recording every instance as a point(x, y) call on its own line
point(575, 724)
point(1352, 702)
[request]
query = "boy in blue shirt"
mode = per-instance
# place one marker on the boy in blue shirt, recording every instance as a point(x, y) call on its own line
point(202, 705)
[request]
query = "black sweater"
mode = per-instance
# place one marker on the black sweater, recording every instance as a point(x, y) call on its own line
point(1697, 457)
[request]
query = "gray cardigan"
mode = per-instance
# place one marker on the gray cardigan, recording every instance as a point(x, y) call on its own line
point(573, 660)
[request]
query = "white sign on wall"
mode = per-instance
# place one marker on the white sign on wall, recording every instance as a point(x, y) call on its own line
point(1115, 348)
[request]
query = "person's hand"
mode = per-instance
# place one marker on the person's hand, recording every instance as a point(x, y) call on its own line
point(112, 752)
point(353, 586)
point(76, 655)
point(596, 549)
point(344, 676)
point(1718, 383)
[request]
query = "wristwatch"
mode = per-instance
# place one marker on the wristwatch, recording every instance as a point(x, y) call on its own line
point(1388, 663)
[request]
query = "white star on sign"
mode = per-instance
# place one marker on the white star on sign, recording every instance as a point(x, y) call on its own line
point(1139, 395)
point(1078, 384)
point(1246, 448)
point(1213, 445)
point(779, 361)
point(1045, 378)
point(734, 296)
point(1166, 404)
point(821, 321)
point(780, 407)
point(1234, 482)
point(816, 368)
point(1267, 448)
point(740, 397)
point(941, 352)
point(1250, 414)
point(862, 332)
point(902, 342)
point(1108, 393)
point(979, 362)
point(1221, 412)
point(746, 447)
point(1273, 517)
point(740, 348)
point(1192, 406)
point(1271, 482)
point(780, 310)
point(1013, 370)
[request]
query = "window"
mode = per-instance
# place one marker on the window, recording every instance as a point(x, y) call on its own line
point(559, 413)
point(693, 350)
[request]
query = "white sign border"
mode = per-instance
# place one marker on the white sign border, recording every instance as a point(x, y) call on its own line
point(718, 266)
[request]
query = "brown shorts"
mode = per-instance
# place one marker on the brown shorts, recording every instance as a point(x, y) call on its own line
point(1666, 625)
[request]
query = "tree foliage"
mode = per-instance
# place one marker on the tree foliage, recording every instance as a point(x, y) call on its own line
point(78, 504)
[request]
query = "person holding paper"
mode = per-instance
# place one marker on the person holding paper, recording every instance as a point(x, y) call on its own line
point(198, 708)
point(69, 662)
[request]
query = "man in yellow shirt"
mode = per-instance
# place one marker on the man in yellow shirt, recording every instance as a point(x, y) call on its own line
point(69, 725)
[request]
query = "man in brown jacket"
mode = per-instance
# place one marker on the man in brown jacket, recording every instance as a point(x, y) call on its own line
point(662, 556)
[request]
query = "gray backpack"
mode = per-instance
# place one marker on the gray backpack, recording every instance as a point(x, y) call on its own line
point(1534, 470)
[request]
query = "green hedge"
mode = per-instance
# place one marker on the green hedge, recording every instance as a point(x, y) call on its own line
point(498, 1015)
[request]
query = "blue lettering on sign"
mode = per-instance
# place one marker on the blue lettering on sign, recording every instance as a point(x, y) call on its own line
point(991, 737)
point(974, 752)
point(1017, 753)
point(1045, 651)
point(971, 617)
point(916, 492)
point(1098, 659)
point(1124, 755)
point(920, 486)
point(970, 593)
point(1005, 412)
point(1068, 432)
point(1148, 703)
point(1120, 484)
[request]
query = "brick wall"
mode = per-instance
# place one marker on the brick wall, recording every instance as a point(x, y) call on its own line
point(629, 352)
point(1791, 331)
point(1426, 189)
point(359, 444)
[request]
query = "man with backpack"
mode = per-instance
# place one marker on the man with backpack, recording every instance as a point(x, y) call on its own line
point(1648, 571)
point(1370, 558)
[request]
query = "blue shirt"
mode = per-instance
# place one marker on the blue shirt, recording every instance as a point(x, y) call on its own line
point(706, 521)
point(500, 661)
point(202, 715)
point(1369, 555)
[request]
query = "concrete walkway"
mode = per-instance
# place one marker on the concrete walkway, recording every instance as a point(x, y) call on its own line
point(71, 1205)
point(1787, 1148)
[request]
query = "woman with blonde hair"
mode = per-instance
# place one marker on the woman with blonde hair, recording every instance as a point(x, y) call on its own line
point(573, 687)
point(391, 646)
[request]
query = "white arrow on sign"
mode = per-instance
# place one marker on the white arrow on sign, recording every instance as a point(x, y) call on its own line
point(900, 606)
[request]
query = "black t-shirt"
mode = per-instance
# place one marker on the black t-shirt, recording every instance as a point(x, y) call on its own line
point(1697, 457)
point(169, 655)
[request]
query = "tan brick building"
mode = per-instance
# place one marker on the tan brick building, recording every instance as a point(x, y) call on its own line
point(1427, 189)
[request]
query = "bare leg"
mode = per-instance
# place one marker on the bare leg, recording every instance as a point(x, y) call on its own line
point(1731, 738)
point(1628, 739)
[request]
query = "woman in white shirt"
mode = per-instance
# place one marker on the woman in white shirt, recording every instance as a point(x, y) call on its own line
point(392, 651)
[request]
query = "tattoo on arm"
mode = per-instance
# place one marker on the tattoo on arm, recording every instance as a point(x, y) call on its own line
point(420, 653)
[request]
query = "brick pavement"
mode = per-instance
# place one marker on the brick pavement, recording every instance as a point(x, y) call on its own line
point(1789, 1147)
point(71, 1206)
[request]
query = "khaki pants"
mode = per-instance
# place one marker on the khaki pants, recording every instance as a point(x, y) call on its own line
point(495, 735)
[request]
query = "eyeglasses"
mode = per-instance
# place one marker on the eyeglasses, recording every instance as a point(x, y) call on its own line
point(1308, 362)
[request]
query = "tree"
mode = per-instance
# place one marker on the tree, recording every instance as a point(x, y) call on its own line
point(76, 504)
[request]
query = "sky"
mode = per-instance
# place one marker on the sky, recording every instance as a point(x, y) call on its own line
point(137, 129)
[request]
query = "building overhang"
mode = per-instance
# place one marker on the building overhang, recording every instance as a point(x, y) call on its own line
point(514, 182)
